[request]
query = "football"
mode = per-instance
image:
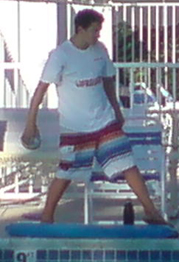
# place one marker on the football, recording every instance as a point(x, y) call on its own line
point(32, 143)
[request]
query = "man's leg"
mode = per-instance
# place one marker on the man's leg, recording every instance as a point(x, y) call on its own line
point(112, 155)
point(56, 190)
point(136, 182)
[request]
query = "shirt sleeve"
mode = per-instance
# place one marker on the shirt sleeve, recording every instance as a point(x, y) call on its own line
point(53, 69)
point(108, 69)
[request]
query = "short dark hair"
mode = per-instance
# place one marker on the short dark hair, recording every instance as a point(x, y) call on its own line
point(86, 17)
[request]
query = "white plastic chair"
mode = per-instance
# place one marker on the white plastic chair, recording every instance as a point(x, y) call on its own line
point(146, 138)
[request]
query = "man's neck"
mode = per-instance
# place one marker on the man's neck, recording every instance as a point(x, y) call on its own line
point(78, 42)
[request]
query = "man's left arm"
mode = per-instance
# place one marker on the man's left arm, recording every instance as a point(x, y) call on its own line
point(109, 88)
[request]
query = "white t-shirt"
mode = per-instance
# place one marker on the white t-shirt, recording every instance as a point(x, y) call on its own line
point(83, 104)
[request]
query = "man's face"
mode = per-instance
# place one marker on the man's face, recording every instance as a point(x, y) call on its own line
point(91, 34)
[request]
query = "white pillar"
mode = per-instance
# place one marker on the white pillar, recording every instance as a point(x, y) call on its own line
point(61, 22)
point(1, 71)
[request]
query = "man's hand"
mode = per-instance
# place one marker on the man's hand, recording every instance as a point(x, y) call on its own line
point(109, 88)
point(31, 137)
point(30, 131)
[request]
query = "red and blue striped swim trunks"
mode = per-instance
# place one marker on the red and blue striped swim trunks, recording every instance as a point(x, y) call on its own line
point(109, 146)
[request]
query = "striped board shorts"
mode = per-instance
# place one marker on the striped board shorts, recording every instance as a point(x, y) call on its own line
point(109, 147)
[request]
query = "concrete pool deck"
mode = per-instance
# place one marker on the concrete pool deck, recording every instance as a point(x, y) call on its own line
point(70, 210)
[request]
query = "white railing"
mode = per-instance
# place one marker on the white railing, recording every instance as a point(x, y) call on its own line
point(149, 54)
point(127, 70)
point(155, 25)
point(149, 86)
point(153, 75)
point(139, 32)
point(25, 41)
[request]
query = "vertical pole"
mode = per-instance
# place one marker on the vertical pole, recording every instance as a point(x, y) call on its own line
point(173, 166)
point(174, 75)
point(116, 12)
point(157, 43)
point(2, 53)
point(86, 207)
point(125, 31)
point(149, 44)
point(61, 22)
point(131, 87)
point(69, 16)
point(141, 33)
point(125, 70)
point(165, 25)
point(133, 31)
point(174, 161)
point(117, 84)
point(17, 86)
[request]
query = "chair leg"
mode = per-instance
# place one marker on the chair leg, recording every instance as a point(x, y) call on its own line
point(91, 213)
point(86, 205)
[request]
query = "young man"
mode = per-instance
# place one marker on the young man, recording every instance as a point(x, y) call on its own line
point(90, 118)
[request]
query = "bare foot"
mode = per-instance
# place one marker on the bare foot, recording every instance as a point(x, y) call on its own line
point(46, 219)
point(155, 219)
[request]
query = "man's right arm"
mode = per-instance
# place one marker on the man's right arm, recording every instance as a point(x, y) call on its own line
point(51, 74)
point(31, 128)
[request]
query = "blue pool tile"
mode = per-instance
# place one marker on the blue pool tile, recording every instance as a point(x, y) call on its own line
point(75, 254)
point(8, 255)
point(176, 255)
point(98, 255)
point(53, 254)
point(41, 254)
point(109, 254)
point(64, 254)
point(166, 256)
point(155, 255)
point(132, 255)
point(86, 255)
point(121, 254)
point(143, 255)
